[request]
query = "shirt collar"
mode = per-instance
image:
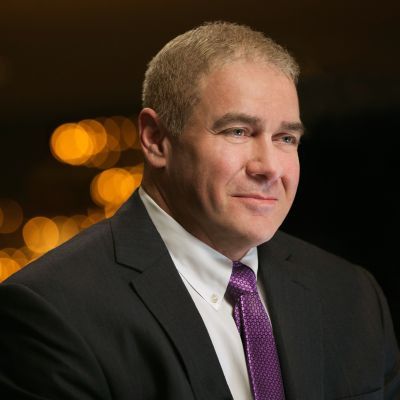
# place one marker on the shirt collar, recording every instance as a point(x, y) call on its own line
point(206, 270)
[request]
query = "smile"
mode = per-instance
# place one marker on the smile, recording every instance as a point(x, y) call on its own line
point(257, 199)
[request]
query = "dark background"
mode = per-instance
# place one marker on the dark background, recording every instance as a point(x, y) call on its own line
point(62, 61)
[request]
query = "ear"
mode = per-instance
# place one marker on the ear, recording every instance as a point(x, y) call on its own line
point(153, 138)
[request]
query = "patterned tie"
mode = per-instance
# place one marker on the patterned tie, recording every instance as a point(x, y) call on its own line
point(255, 330)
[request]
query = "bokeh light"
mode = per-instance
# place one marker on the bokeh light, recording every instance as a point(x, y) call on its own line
point(94, 215)
point(112, 187)
point(11, 216)
point(79, 219)
point(96, 133)
point(71, 144)
point(95, 143)
point(129, 134)
point(113, 133)
point(22, 256)
point(67, 228)
point(7, 266)
point(105, 159)
point(40, 234)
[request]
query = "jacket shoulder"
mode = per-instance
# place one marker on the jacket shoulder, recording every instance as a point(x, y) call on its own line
point(81, 256)
point(328, 269)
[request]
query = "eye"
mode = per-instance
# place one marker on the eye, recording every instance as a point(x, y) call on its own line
point(236, 133)
point(289, 139)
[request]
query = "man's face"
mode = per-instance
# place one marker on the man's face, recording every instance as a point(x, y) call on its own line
point(232, 175)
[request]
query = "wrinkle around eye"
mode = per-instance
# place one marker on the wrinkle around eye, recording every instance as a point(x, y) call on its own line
point(233, 132)
point(233, 137)
point(294, 139)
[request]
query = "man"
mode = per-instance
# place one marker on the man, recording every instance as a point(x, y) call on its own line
point(161, 301)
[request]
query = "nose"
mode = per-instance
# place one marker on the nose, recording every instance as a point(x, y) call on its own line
point(265, 163)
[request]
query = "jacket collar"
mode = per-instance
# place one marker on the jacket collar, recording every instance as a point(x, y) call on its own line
point(295, 311)
point(156, 281)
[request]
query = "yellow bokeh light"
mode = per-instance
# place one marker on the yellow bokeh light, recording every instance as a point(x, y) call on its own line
point(71, 144)
point(7, 267)
point(96, 214)
point(11, 216)
point(112, 187)
point(20, 257)
point(129, 134)
point(67, 228)
point(113, 143)
point(105, 159)
point(113, 133)
point(79, 219)
point(94, 142)
point(9, 251)
point(137, 170)
point(40, 234)
point(96, 132)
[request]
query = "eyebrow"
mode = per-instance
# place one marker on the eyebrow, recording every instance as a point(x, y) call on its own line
point(294, 126)
point(235, 117)
point(243, 118)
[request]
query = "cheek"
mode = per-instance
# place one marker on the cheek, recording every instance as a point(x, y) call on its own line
point(292, 174)
point(217, 179)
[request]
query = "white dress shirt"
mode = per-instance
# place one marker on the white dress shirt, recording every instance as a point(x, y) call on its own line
point(205, 273)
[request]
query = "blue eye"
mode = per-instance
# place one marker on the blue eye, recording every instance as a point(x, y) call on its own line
point(238, 132)
point(290, 139)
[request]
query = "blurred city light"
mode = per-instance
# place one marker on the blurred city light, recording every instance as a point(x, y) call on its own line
point(94, 143)
point(7, 266)
point(11, 216)
point(67, 228)
point(40, 234)
point(113, 133)
point(105, 159)
point(21, 256)
point(71, 144)
point(112, 187)
point(129, 134)
point(96, 132)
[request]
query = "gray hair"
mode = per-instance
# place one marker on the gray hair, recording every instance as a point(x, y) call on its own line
point(171, 81)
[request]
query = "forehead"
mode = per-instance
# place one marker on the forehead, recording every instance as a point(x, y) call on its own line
point(252, 88)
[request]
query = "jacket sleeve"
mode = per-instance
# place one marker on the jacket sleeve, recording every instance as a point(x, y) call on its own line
point(392, 356)
point(41, 355)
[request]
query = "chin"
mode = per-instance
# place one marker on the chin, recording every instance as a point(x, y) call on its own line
point(255, 236)
point(264, 238)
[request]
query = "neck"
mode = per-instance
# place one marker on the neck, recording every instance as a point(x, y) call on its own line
point(222, 246)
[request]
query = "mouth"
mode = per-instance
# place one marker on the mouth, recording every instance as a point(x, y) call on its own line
point(256, 198)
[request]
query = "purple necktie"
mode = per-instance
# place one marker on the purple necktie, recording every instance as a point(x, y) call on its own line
point(256, 332)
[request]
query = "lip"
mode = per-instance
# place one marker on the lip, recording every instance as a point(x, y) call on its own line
point(257, 200)
point(252, 196)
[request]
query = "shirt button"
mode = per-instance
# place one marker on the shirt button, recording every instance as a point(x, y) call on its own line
point(214, 298)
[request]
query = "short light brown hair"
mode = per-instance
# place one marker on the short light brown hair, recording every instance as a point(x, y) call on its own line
point(172, 77)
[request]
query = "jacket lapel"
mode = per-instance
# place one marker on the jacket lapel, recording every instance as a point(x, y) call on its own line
point(296, 318)
point(158, 284)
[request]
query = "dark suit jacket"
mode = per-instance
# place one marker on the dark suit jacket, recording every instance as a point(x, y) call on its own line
point(107, 316)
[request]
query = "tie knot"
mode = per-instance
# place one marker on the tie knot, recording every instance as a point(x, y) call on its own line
point(242, 281)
